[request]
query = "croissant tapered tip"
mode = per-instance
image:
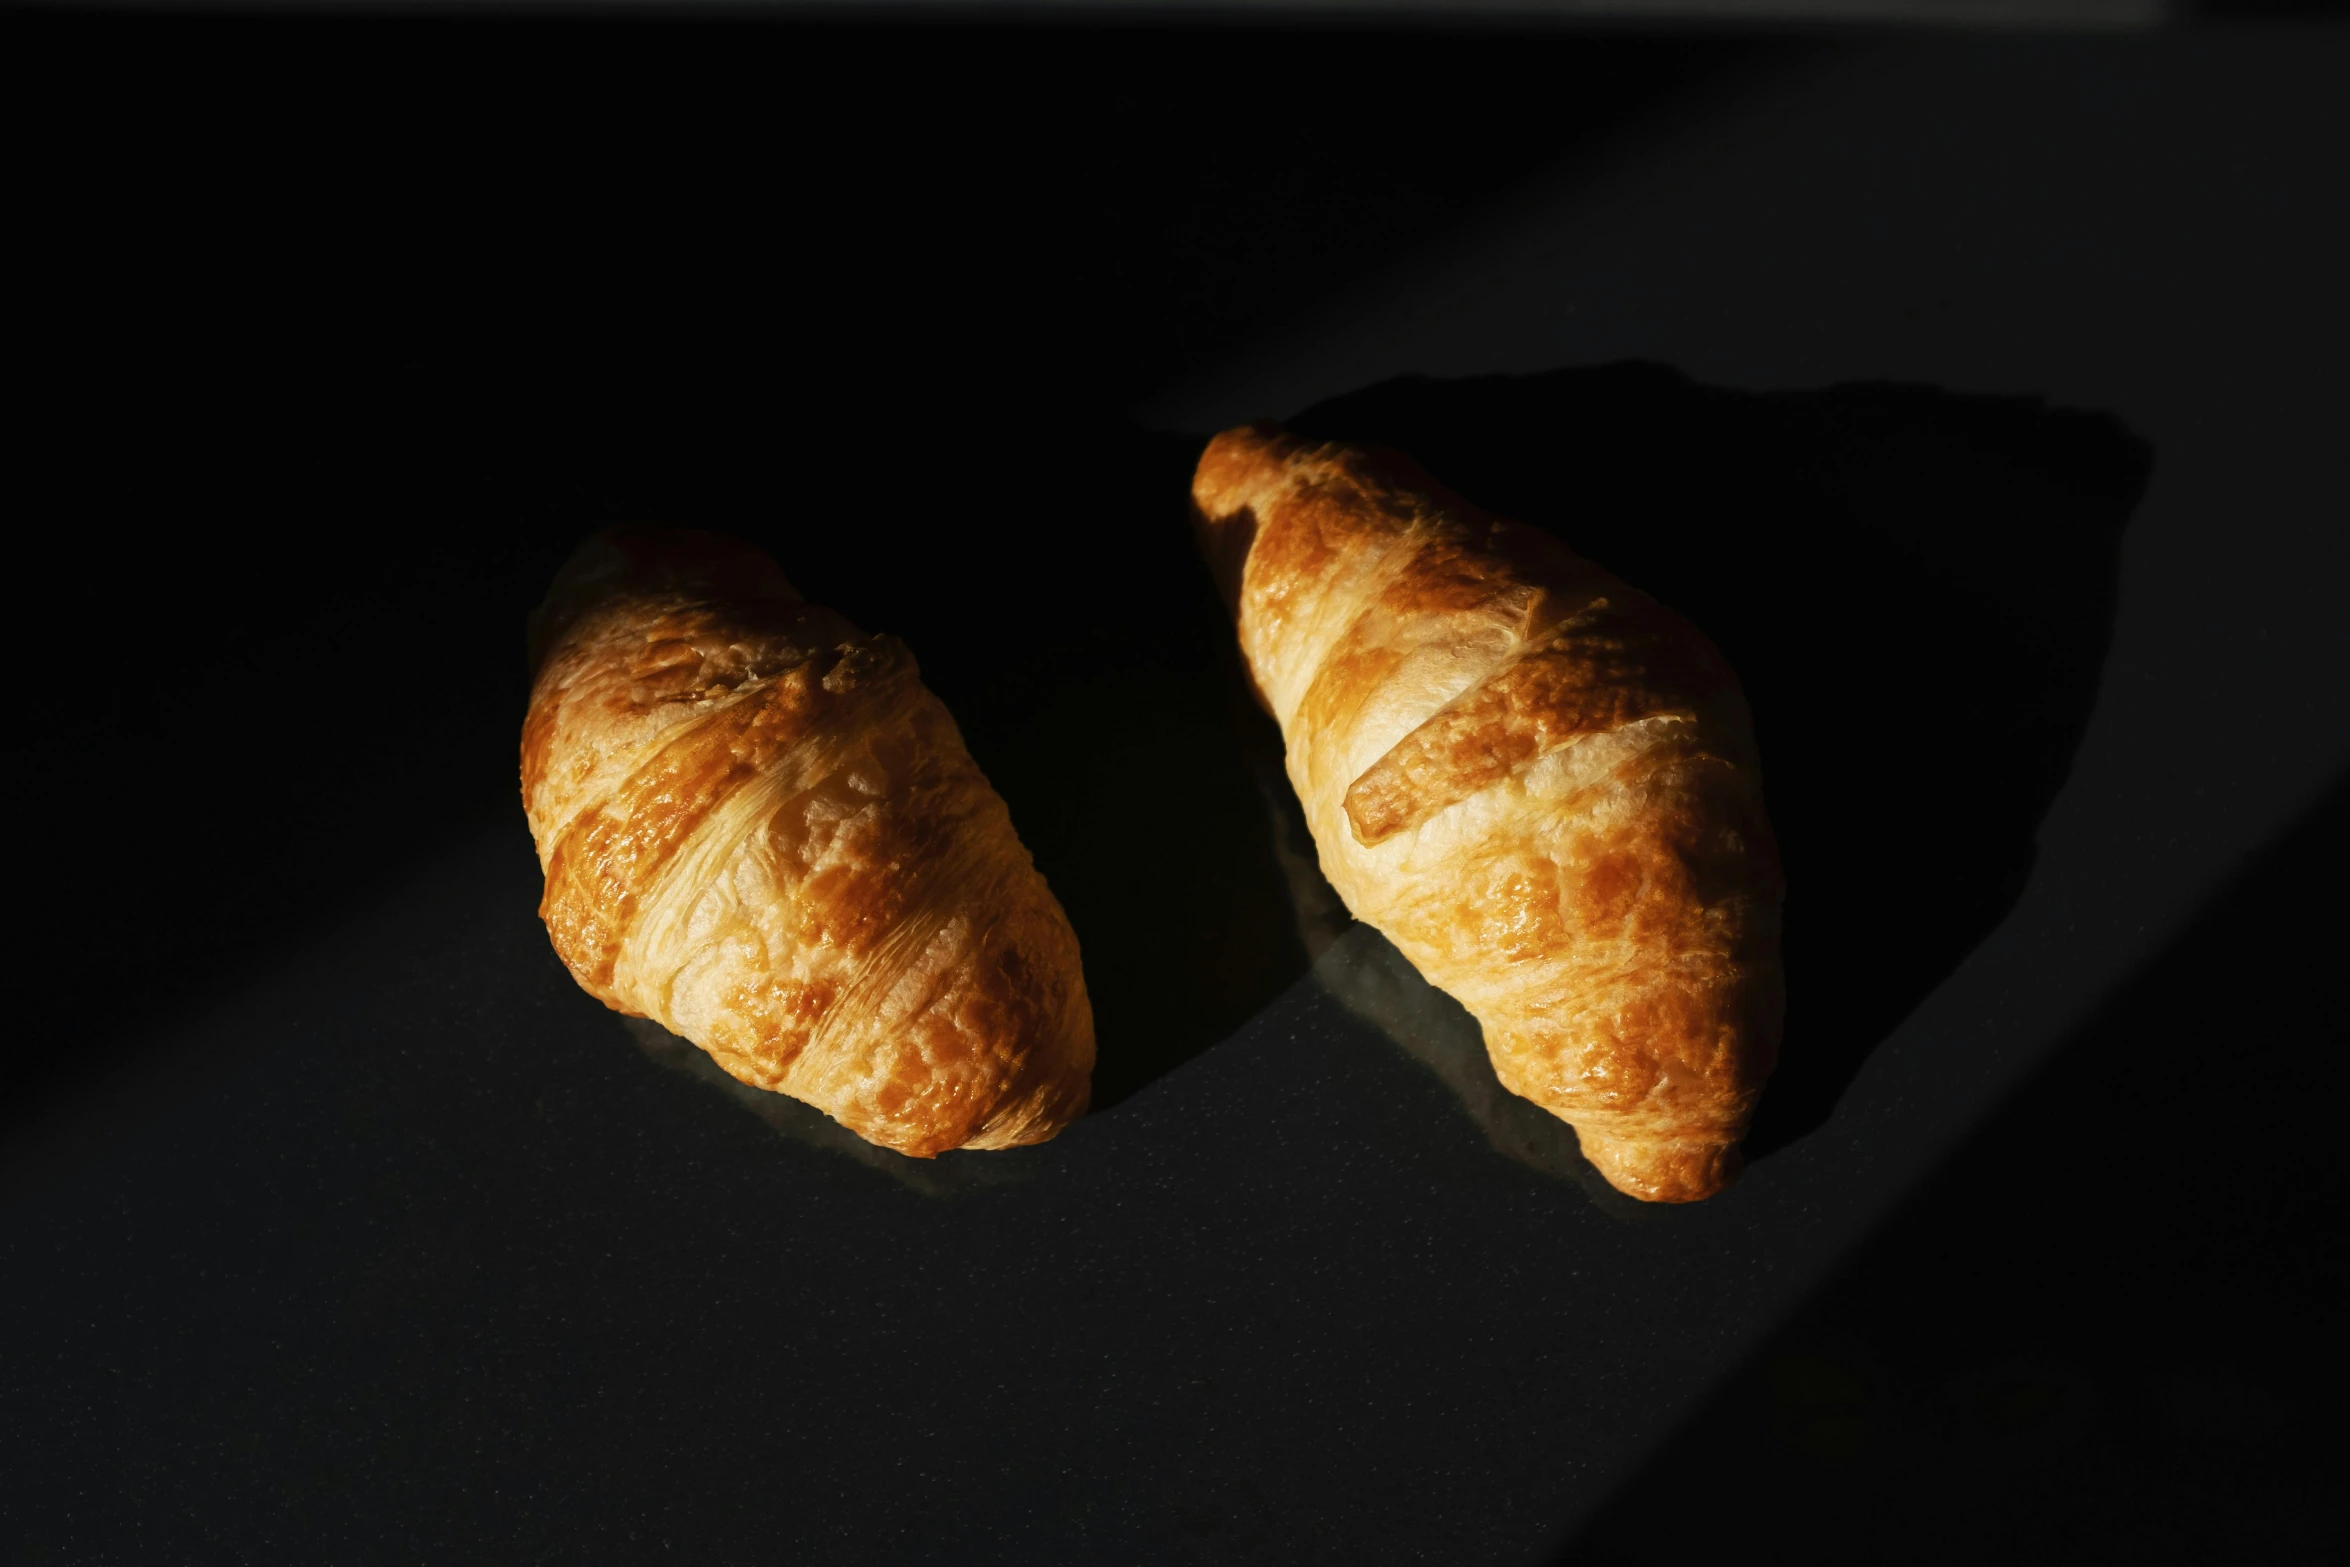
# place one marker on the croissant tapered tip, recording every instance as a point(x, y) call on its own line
point(1655, 1170)
point(632, 557)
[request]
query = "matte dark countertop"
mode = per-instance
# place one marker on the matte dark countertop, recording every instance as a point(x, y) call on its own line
point(1982, 398)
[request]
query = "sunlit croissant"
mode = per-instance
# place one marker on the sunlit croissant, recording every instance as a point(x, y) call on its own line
point(761, 830)
point(1537, 782)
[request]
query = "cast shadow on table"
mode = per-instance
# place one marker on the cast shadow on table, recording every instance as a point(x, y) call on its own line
point(1917, 591)
point(1916, 587)
point(953, 1175)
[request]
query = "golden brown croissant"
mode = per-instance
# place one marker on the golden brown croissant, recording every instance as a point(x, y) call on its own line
point(1537, 782)
point(761, 830)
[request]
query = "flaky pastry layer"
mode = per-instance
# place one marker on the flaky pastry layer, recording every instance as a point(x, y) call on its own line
point(761, 830)
point(1539, 783)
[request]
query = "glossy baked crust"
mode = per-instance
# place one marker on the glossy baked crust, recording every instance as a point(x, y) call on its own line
point(761, 830)
point(1539, 783)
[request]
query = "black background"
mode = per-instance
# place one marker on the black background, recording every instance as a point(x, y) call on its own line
point(343, 334)
point(342, 1228)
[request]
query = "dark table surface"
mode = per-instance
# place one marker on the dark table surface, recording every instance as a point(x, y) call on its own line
point(1983, 398)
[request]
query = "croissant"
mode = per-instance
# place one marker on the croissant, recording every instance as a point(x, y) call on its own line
point(762, 831)
point(1537, 782)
